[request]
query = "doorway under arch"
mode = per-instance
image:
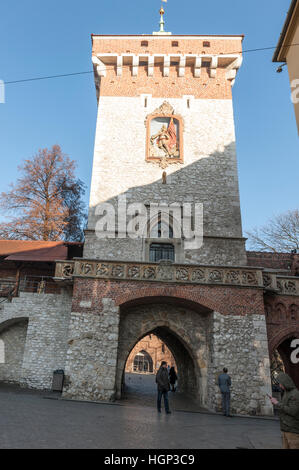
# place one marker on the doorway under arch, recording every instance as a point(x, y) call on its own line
point(183, 331)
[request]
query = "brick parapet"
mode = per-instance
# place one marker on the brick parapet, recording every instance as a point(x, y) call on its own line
point(227, 301)
point(130, 66)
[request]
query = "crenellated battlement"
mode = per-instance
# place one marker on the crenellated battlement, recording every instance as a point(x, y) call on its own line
point(168, 60)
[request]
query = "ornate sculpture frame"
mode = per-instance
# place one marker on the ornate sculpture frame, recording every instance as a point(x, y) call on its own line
point(164, 111)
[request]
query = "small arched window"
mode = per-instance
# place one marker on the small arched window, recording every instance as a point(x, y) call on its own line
point(143, 363)
point(161, 230)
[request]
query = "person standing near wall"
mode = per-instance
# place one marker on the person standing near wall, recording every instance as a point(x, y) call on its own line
point(162, 380)
point(224, 382)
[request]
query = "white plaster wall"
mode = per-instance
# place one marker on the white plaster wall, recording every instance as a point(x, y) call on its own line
point(208, 174)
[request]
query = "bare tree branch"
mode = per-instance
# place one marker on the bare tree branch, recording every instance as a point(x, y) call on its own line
point(280, 234)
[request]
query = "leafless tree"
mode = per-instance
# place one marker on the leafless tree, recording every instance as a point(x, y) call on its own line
point(280, 234)
point(45, 202)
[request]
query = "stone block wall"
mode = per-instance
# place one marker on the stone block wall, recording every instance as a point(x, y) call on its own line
point(240, 344)
point(44, 342)
point(92, 353)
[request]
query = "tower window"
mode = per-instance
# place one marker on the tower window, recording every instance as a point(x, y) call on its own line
point(144, 43)
point(161, 251)
point(161, 230)
point(206, 44)
point(175, 44)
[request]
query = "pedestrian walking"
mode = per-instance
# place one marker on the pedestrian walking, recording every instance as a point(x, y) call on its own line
point(288, 409)
point(172, 378)
point(224, 382)
point(162, 380)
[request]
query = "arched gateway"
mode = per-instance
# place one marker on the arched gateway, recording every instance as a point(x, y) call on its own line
point(282, 317)
point(184, 330)
point(202, 325)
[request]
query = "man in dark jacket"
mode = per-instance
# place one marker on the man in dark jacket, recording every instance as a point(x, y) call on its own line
point(162, 380)
point(288, 411)
point(224, 382)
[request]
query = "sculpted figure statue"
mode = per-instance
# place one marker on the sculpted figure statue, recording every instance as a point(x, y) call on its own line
point(162, 139)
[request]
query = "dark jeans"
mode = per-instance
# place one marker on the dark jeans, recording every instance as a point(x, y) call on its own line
point(226, 403)
point(166, 403)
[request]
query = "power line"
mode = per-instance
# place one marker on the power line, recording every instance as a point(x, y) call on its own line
point(49, 76)
point(112, 67)
point(263, 49)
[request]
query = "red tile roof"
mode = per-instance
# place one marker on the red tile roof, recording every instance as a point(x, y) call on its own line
point(23, 250)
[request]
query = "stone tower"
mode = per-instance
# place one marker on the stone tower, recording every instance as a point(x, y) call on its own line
point(165, 138)
point(145, 82)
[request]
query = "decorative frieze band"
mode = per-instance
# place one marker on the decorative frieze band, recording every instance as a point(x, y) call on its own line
point(161, 272)
point(286, 285)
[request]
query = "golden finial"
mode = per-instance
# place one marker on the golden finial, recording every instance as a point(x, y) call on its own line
point(162, 22)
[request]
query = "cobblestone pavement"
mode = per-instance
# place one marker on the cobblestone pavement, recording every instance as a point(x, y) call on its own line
point(142, 389)
point(35, 420)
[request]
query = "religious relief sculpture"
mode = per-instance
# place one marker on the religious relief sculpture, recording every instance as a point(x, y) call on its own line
point(166, 140)
point(164, 136)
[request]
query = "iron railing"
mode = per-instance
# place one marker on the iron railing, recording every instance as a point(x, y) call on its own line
point(39, 285)
point(30, 284)
point(7, 287)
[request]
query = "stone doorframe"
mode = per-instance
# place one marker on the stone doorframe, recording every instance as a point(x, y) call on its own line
point(183, 330)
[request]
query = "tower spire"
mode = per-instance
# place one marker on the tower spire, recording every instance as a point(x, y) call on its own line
point(162, 22)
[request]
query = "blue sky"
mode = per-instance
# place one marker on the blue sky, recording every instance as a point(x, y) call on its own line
point(46, 38)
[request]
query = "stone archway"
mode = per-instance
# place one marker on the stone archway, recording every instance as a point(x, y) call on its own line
point(13, 333)
point(285, 351)
point(283, 327)
point(183, 330)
